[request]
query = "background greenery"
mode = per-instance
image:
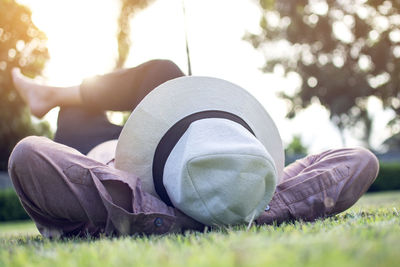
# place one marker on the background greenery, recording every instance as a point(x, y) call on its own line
point(344, 52)
point(365, 235)
point(388, 178)
point(10, 206)
point(22, 45)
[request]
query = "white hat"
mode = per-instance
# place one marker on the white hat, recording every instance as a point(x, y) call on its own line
point(205, 146)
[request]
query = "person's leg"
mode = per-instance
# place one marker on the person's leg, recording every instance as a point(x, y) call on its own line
point(69, 194)
point(121, 90)
point(321, 185)
point(37, 170)
point(82, 123)
point(86, 126)
point(41, 98)
point(84, 129)
point(77, 126)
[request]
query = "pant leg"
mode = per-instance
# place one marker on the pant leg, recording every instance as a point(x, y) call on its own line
point(83, 129)
point(322, 185)
point(39, 180)
point(122, 90)
point(67, 193)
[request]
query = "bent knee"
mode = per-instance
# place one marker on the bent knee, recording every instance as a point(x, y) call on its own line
point(366, 163)
point(164, 63)
point(24, 150)
point(367, 158)
point(166, 67)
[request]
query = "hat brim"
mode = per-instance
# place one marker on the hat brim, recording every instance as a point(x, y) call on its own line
point(175, 99)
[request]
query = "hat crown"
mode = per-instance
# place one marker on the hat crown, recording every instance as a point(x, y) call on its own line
point(219, 173)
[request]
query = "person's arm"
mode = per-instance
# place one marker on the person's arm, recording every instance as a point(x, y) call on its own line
point(69, 194)
point(322, 185)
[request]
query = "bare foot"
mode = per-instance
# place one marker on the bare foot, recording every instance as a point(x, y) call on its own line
point(40, 98)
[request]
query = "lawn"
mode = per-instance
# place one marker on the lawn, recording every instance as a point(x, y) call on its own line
point(366, 235)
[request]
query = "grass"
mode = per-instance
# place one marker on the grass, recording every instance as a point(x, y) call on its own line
point(368, 234)
point(21, 228)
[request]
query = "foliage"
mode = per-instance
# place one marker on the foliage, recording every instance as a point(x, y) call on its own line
point(10, 207)
point(296, 147)
point(128, 9)
point(22, 45)
point(366, 235)
point(388, 178)
point(344, 52)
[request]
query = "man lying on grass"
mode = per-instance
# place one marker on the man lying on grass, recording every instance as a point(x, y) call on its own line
point(195, 151)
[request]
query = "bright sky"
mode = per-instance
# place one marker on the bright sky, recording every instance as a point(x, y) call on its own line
point(82, 42)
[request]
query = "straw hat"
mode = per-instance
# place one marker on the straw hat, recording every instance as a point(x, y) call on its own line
point(205, 146)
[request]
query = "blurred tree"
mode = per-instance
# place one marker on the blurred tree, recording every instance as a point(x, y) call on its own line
point(296, 147)
point(344, 52)
point(22, 45)
point(128, 9)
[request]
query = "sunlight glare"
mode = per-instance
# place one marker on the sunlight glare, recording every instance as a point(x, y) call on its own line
point(81, 42)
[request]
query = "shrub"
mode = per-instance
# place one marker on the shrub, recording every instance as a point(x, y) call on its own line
point(388, 178)
point(10, 206)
